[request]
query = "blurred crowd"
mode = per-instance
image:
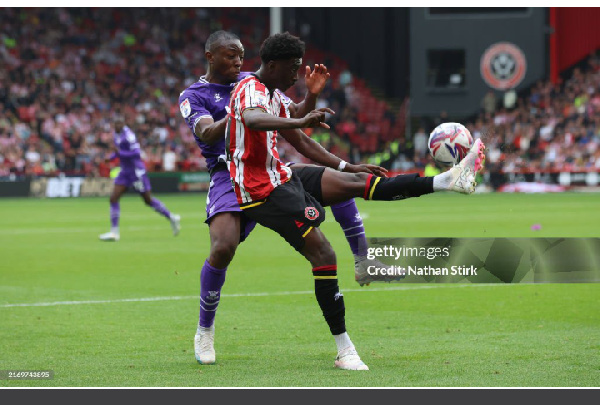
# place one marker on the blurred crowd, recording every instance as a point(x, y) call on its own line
point(553, 128)
point(66, 72)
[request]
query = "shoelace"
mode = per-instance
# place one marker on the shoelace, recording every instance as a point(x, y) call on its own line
point(350, 355)
point(207, 341)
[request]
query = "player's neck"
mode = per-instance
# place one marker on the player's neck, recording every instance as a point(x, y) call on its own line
point(264, 79)
point(216, 79)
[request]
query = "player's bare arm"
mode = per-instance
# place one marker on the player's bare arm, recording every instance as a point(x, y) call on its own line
point(209, 131)
point(259, 120)
point(315, 83)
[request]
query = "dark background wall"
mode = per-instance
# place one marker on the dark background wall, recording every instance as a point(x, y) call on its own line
point(474, 34)
point(374, 41)
point(388, 46)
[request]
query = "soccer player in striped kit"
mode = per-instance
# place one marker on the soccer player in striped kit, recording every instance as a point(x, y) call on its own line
point(290, 200)
point(203, 106)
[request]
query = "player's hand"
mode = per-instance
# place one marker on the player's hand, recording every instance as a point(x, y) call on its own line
point(316, 118)
point(366, 168)
point(316, 79)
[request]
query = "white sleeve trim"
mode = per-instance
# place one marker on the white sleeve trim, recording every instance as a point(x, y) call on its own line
point(198, 120)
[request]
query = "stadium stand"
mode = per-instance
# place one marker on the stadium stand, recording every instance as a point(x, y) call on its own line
point(67, 71)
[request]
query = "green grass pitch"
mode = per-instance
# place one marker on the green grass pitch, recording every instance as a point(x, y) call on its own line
point(270, 331)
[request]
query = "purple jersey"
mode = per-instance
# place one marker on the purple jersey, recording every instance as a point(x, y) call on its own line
point(207, 100)
point(128, 150)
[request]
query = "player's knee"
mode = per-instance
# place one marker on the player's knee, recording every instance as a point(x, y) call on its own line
point(148, 201)
point(360, 177)
point(113, 199)
point(222, 252)
point(326, 254)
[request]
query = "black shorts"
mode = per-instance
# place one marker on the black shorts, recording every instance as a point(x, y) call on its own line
point(291, 210)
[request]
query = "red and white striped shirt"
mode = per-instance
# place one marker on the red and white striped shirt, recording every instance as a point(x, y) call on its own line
point(255, 167)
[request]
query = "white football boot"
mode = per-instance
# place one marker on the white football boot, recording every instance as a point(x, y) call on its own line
point(463, 174)
point(175, 223)
point(348, 359)
point(204, 345)
point(111, 236)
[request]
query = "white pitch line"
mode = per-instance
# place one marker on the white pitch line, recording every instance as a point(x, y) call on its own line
point(260, 294)
point(35, 231)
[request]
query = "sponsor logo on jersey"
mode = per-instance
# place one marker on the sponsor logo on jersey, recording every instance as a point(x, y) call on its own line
point(185, 108)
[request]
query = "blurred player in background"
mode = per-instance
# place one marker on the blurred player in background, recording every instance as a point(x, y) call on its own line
point(133, 173)
point(203, 106)
point(290, 201)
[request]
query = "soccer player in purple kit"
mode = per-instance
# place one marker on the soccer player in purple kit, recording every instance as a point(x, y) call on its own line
point(203, 106)
point(133, 173)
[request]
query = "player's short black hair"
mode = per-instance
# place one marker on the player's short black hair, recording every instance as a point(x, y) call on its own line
point(281, 46)
point(217, 37)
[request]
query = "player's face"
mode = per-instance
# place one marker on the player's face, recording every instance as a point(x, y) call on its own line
point(118, 126)
point(227, 59)
point(286, 72)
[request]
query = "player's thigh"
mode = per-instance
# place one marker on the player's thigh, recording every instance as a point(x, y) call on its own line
point(224, 229)
point(317, 249)
point(117, 192)
point(337, 187)
point(147, 197)
point(290, 211)
point(295, 166)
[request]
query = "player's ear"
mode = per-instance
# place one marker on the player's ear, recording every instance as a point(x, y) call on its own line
point(209, 57)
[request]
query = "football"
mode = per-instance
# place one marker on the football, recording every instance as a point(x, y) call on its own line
point(449, 143)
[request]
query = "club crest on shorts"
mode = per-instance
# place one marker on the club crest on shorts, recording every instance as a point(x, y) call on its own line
point(311, 213)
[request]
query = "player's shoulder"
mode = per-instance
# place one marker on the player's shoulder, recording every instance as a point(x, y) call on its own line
point(128, 133)
point(243, 75)
point(247, 80)
point(282, 97)
point(245, 83)
point(197, 90)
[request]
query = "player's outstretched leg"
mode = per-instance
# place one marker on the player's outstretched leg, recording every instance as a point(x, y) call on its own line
point(115, 214)
point(162, 210)
point(322, 257)
point(337, 187)
point(224, 238)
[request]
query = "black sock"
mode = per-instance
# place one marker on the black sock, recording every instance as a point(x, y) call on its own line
point(397, 188)
point(329, 298)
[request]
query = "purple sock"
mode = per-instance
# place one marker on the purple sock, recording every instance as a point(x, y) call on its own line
point(347, 215)
point(115, 213)
point(160, 208)
point(211, 281)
